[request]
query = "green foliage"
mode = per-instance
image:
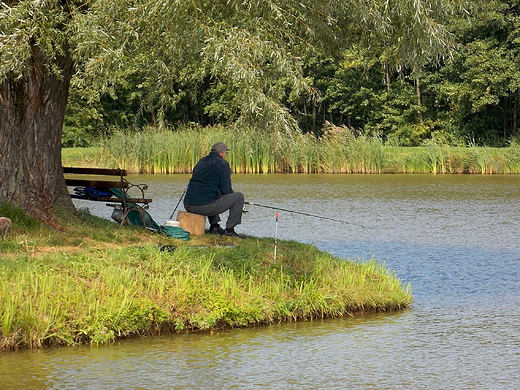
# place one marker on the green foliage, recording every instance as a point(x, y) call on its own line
point(478, 90)
point(261, 64)
point(18, 217)
point(59, 294)
point(237, 62)
point(240, 47)
point(246, 85)
point(83, 123)
point(396, 116)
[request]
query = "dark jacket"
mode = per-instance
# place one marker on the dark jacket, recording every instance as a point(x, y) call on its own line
point(211, 178)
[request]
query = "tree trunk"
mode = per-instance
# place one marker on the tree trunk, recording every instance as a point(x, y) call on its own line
point(420, 118)
point(506, 105)
point(515, 112)
point(32, 110)
point(314, 116)
point(386, 71)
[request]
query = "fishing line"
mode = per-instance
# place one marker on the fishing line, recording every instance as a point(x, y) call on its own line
point(307, 214)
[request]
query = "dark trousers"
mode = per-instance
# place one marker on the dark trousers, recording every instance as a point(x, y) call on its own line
point(233, 202)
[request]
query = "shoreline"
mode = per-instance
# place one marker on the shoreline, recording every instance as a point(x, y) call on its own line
point(97, 284)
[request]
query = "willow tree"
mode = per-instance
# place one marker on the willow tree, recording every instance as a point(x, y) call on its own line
point(251, 45)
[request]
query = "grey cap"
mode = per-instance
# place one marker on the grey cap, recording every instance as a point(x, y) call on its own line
point(219, 147)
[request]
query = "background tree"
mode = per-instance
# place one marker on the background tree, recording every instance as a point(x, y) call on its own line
point(479, 89)
point(251, 46)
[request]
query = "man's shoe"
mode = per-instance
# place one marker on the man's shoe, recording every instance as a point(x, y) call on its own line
point(232, 233)
point(216, 229)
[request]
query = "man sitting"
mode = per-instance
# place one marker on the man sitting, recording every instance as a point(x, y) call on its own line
point(209, 192)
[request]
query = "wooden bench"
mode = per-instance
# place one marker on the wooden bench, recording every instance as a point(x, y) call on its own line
point(94, 184)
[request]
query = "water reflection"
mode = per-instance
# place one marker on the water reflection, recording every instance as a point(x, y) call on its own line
point(269, 357)
point(376, 351)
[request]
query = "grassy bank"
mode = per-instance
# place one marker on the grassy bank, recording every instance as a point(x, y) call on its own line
point(338, 151)
point(94, 283)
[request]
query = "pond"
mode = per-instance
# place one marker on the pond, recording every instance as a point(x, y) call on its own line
point(453, 238)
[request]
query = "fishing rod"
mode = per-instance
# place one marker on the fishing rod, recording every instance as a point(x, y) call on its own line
point(301, 213)
point(179, 202)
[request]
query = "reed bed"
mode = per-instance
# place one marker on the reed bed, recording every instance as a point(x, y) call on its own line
point(97, 283)
point(338, 150)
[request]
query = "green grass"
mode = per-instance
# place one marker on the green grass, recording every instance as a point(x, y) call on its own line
point(338, 151)
point(93, 283)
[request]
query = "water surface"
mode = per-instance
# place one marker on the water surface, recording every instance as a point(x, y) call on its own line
point(454, 238)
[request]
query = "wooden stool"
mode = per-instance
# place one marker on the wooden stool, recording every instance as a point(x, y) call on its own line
point(194, 223)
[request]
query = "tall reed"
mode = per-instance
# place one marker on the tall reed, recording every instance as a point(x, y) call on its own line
point(512, 159)
point(338, 150)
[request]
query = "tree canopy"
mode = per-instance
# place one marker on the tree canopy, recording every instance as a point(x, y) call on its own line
point(254, 48)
